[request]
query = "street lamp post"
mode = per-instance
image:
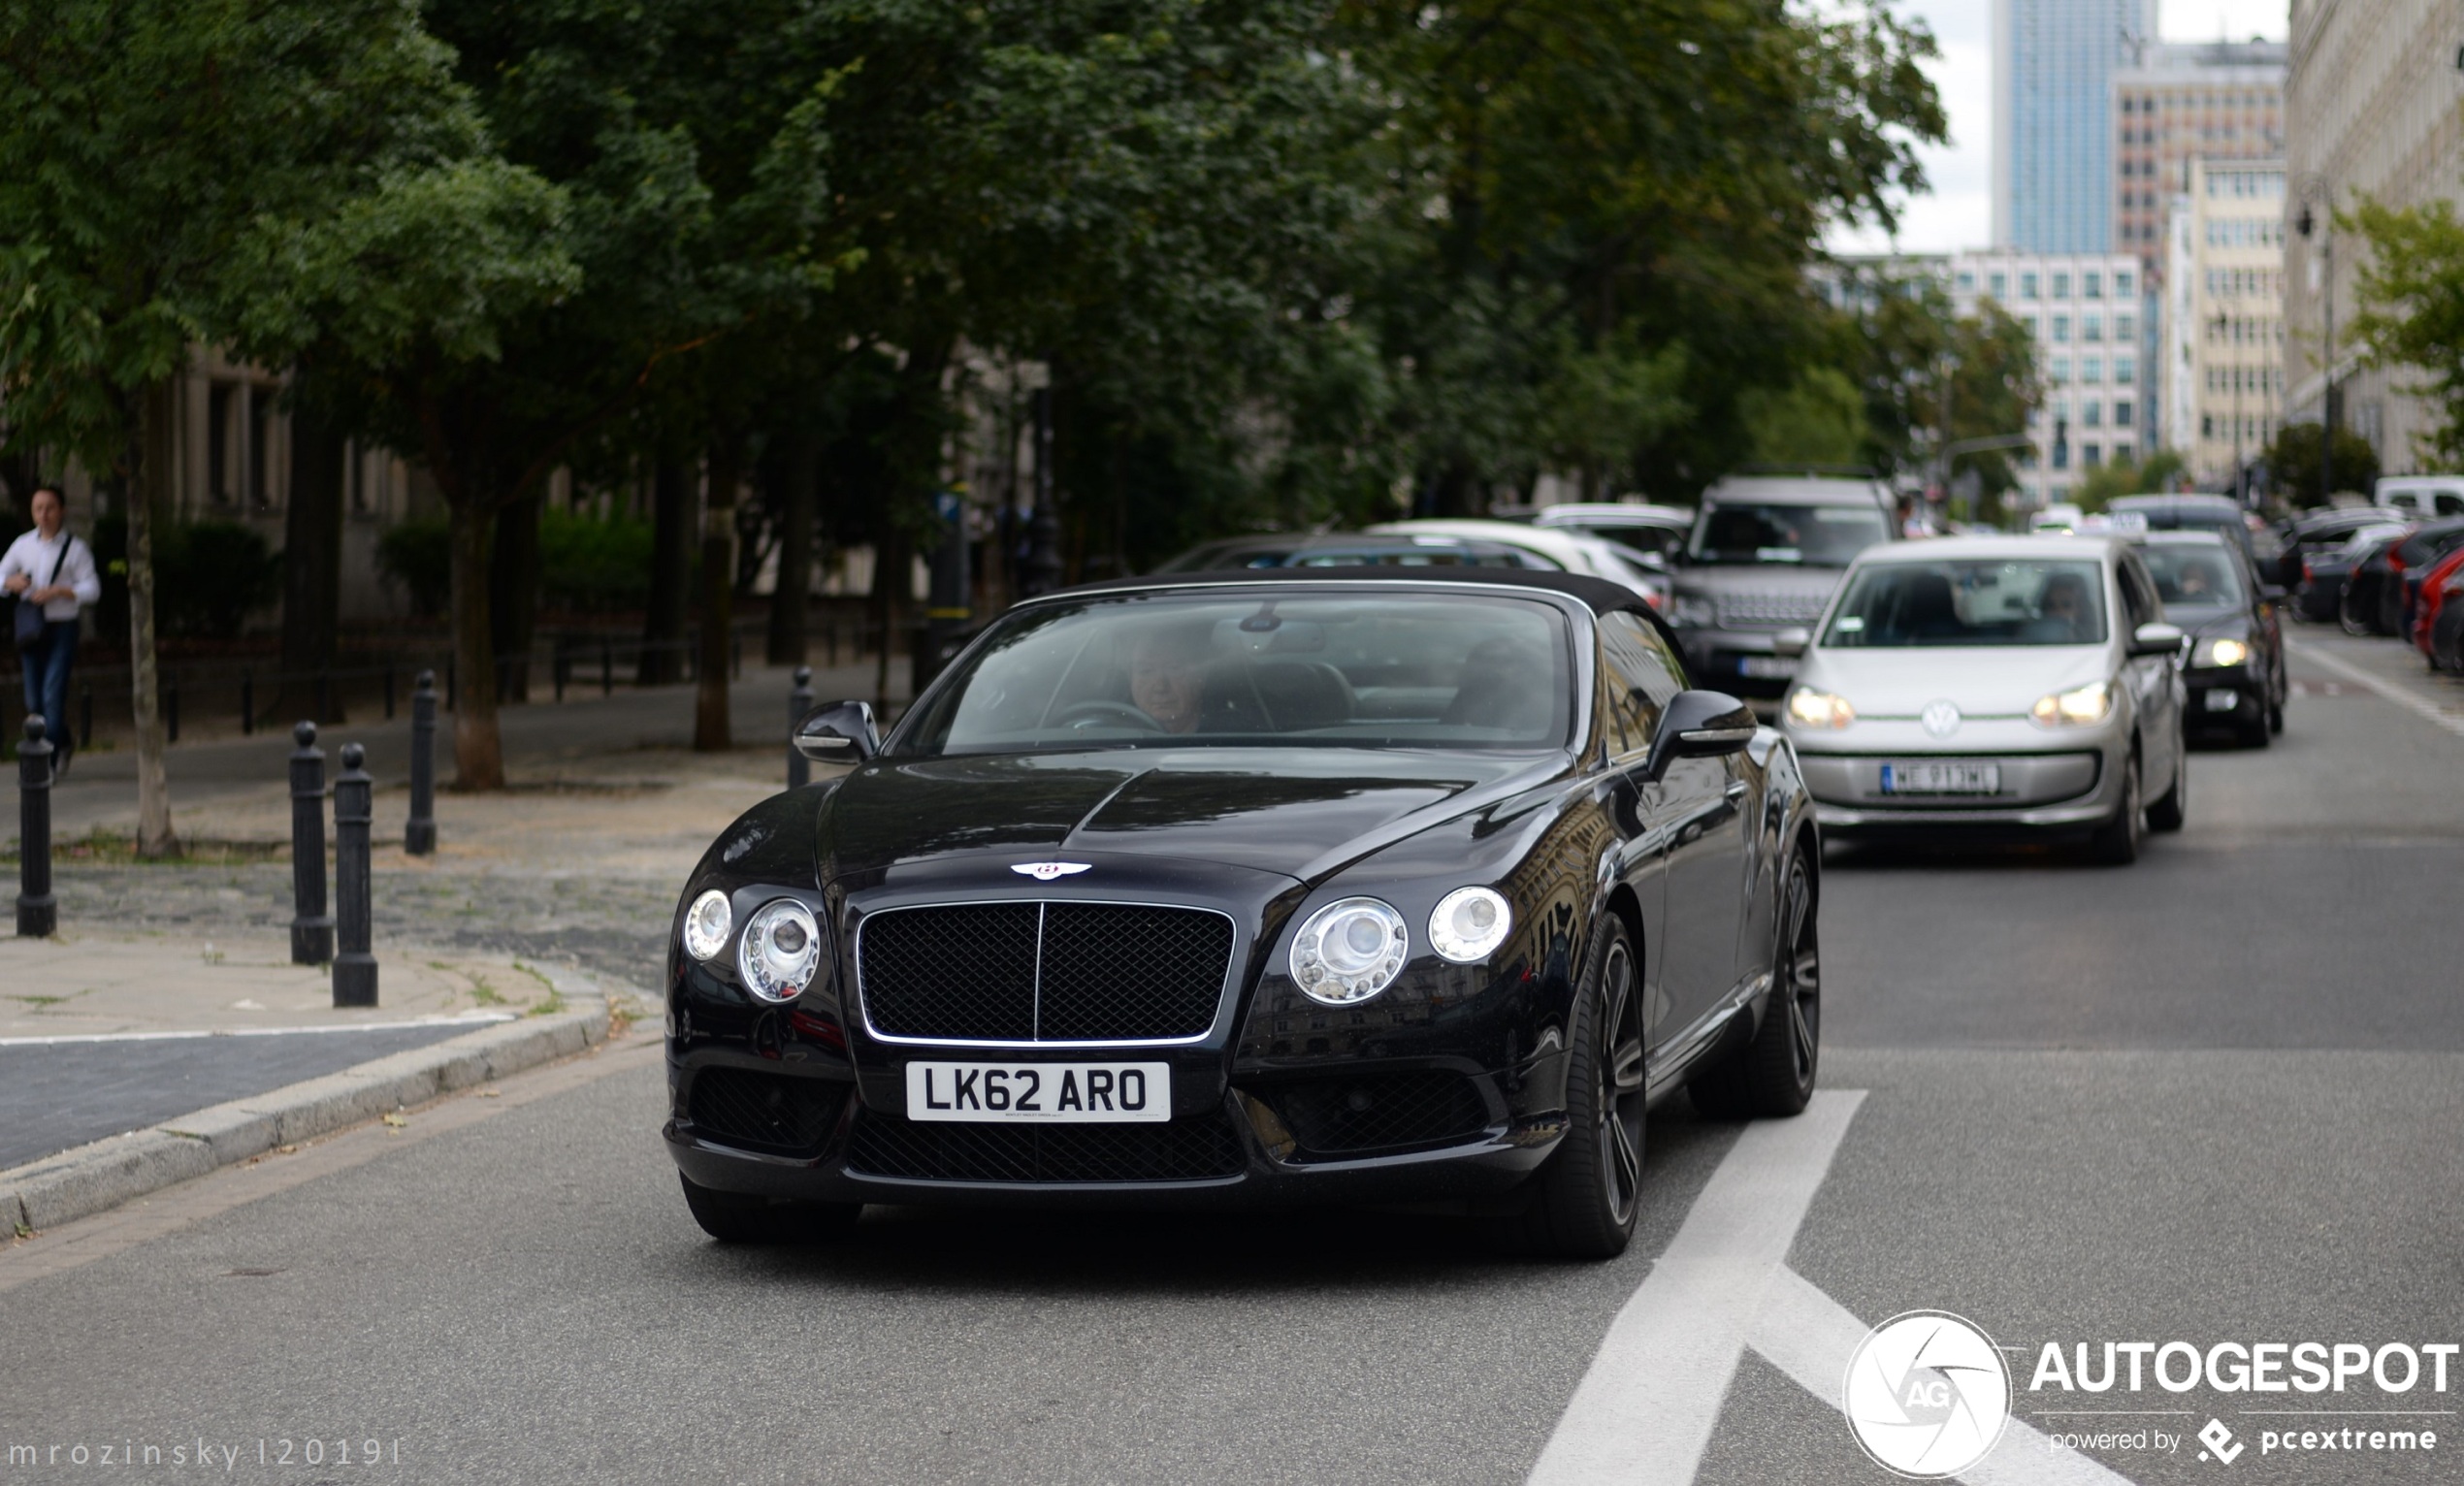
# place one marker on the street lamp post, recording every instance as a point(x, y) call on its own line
point(2324, 224)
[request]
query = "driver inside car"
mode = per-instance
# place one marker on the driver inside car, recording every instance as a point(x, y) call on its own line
point(2062, 616)
point(1167, 674)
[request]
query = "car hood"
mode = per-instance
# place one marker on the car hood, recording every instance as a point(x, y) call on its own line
point(1791, 578)
point(1287, 811)
point(1987, 681)
point(2210, 624)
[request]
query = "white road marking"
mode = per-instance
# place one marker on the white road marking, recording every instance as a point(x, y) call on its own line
point(1810, 1337)
point(463, 1019)
point(1644, 1411)
point(2409, 701)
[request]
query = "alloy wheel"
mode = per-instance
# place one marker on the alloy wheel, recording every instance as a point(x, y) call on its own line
point(1796, 974)
point(1619, 1100)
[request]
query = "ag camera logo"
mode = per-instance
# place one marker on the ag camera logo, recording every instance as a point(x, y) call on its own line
point(1927, 1394)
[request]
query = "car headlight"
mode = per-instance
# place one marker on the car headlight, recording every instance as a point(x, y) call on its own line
point(707, 925)
point(1688, 609)
point(781, 948)
point(1349, 950)
point(1468, 924)
point(2222, 653)
point(2090, 704)
point(1809, 708)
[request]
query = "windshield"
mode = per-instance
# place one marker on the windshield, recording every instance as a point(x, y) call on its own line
point(2194, 577)
point(1369, 671)
point(1816, 536)
point(1990, 602)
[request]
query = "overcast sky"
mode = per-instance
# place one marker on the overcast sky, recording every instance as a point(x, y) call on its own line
point(1958, 211)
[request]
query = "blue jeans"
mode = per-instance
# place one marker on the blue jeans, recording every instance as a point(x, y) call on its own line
point(47, 678)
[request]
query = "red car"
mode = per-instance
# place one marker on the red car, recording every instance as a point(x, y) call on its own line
point(2433, 596)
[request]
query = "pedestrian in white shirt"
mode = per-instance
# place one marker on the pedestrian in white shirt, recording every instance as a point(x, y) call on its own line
point(52, 571)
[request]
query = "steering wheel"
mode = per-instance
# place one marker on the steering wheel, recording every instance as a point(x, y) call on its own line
point(1116, 714)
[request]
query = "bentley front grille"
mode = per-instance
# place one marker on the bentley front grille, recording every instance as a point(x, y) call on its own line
point(1043, 972)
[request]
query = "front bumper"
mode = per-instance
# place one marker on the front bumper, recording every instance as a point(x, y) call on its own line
point(1261, 1164)
point(1741, 662)
point(2050, 783)
point(2218, 696)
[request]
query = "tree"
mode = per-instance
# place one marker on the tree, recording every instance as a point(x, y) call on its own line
point(2292, 463)
point(142, 143)
point(1931, 377)
point(2412, 292)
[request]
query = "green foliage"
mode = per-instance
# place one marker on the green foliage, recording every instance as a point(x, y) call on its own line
point(418, 555)
point(210, 577)
point(2292, 463)
point(2122, 476)
point(2412, 292)
point(594, 565)
point(1819, 421)
point(1930, 378)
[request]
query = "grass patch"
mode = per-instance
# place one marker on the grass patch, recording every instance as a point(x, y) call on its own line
point(551, 1003)
point(480, 990)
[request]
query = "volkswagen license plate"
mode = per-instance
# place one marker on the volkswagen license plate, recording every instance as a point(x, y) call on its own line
point(1950, 778)
point(1046, 1093)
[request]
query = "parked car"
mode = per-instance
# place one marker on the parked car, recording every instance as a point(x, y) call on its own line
point(2023, 686)
point(2235, 676)
point(1254, 890)
point(2409, 562)
point(1568, 551)
point(2351, 578)
point(1651, 532)
point(2421, 496)
point(2059, 519)
point(2437, 585)
point(2447, 625)
point(2192, 513)
point(2299, 535)
point(1765, 556)
point(1351, 550)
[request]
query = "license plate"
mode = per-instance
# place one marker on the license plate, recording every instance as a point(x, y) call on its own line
point(1941, 779)
point(1040, 1093)
point(2223, 701)
point(1766, 668)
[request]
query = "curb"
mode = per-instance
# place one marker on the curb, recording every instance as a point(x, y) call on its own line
point(88, 1178)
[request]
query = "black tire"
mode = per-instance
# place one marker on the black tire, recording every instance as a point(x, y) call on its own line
point(2276, 696)
point(1774, 1074)
point(2168, 813)
point(2255, 732)
point(1585, 1201)
point(2116, 843)
point(2351, 620)
point(735, 1217)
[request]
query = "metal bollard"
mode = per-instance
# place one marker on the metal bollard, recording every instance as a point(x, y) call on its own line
point(800, 769)
point(355, 813)
point(312, 927)
point(419, 836)
point(38, 912)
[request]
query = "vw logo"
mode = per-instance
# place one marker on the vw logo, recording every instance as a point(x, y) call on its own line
point(1927, 1394)
point(1941, 719)
point(1045, 871)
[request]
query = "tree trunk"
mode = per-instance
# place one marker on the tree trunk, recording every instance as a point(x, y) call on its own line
point(710, 731)
point(154, 837)
point(670, 572)
point(893, 591)
point(313, 554)
point(800, 479)
point(478, 750)
point(513, 593)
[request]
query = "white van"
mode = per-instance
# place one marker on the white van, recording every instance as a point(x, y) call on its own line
point(2421, 496)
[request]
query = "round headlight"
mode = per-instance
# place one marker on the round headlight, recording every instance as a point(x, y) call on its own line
point(781, 948)
point(1468, 924)
point(1349, 950)
point(706, 924)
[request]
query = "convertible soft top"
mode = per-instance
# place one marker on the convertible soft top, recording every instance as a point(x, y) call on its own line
point(1599, 594)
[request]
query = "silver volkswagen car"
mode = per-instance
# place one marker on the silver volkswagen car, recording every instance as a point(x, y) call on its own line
point(2019, 685)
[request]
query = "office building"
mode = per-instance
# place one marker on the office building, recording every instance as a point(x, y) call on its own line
point(2181, 103)
point(2225, 318)
point(2054, 67)
point(2373, 106)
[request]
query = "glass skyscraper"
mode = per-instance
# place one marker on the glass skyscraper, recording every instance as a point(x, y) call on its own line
point(2053, 63)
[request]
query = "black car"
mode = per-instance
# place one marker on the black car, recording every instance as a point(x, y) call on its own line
point(2221, 514)
point(1368, 885)
point(2357, 575)
point(2306, 533)
point(2235, 676)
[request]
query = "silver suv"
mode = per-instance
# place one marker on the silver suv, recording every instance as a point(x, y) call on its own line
point(1764, 555)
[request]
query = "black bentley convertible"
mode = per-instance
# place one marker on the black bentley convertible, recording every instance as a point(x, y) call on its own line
point(1357, 885)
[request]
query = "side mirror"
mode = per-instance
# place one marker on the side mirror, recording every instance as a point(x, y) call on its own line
point(840, 732)
point(2155, 639)
point(1790, 643)
point(1698, 724)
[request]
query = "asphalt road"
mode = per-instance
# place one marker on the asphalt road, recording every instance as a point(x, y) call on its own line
point(2213, 1097)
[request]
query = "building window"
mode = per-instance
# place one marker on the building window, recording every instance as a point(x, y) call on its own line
point(2062, 330)
point(2207, 425)
point(2123, 326)
point(2121, 277)
point(2092, 327)
point(1968, 282)
point(2061, 286)
point(2060, 375)
point(1998, 285)
point(2091, 369)
point(2028, 286)
point(2125, 370)
point(2090, 455)
point(2122, 415)
point(2092, 414)
point(2091, 285)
